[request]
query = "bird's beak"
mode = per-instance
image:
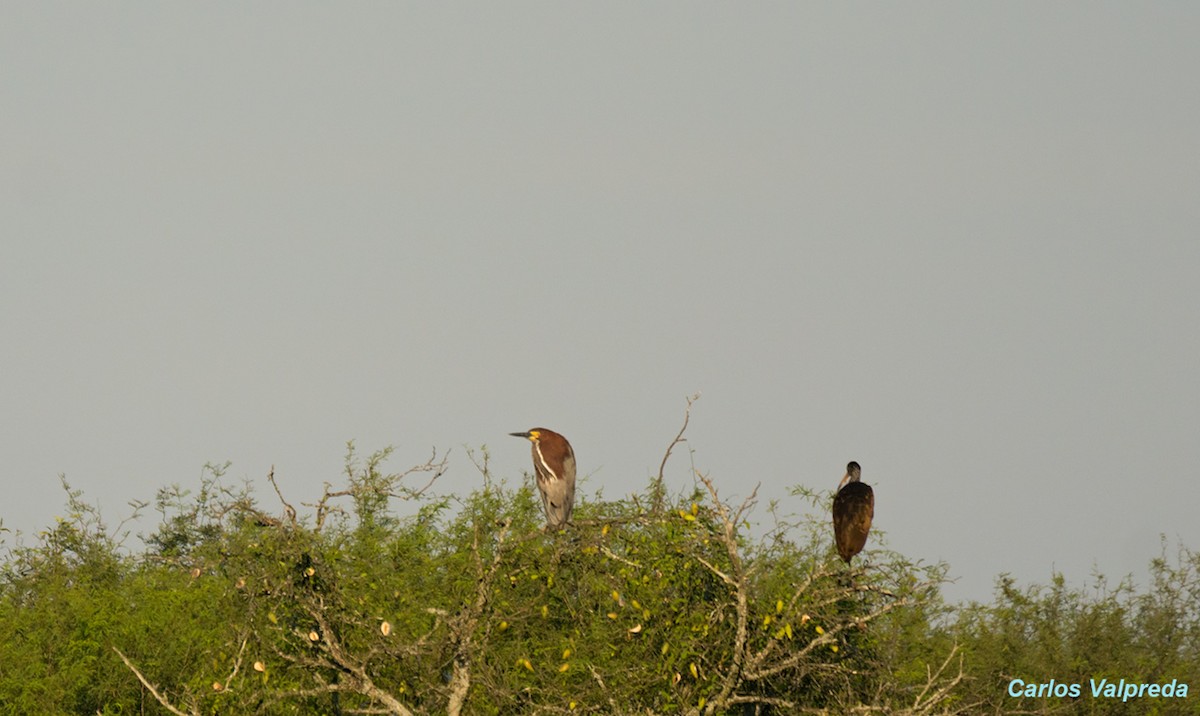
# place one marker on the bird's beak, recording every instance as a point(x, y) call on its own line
point(845, 479)
point(520, 435)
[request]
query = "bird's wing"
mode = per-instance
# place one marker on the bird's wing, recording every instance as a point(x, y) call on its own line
point(853, 510)
point(557, 496)
point(568, 484)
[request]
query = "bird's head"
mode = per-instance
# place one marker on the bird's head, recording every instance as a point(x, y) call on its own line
point(853, 474)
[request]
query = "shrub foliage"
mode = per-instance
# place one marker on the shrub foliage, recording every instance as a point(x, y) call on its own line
point(382, 597)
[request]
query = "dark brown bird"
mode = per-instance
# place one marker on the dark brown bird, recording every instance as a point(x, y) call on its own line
point(853, 510)
point(554, 463)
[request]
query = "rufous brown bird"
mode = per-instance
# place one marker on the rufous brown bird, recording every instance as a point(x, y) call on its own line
point(554, 463)
point(853, 510)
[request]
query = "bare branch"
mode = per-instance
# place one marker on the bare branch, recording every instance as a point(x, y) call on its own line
point(482, 466)
point(433, 465)
point(769, 701)
point(237, 663)
point(796, 658)
point(151, 688)
point(736, 578)
point(291, 511)
point(713, 568)
point(351, 669)
point(613, 555)
point(659, 492)
point(943, 691)
point(371, 482)
point(463, 628)
point(323, 508)
point(603, 687)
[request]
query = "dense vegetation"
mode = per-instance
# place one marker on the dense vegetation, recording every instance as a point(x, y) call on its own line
point(382, 597)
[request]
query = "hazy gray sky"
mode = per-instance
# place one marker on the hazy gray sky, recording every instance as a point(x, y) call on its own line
point(959, 243)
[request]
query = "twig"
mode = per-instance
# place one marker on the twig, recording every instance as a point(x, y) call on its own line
point(482, 467)
point(437, 468)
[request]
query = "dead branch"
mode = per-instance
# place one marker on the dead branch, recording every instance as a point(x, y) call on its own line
point(766, 700)
point(736, 578)
point(237, 663)
point(659, 491)
point(323, 508)
point(715, 570)
point(482, 467)
point(613, 555)
point(830, 635)
point(351, 669)
point(432, 465)
point(603, 687)
point(288, 509)
point(463, 628)
point(331, 655)
point(932, 695)
point(389, 486)
point(803, 588)
point(151, 688)
point(923, 705)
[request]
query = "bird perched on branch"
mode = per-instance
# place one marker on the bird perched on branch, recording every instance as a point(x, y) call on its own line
point(853, 510)
point(554, 463)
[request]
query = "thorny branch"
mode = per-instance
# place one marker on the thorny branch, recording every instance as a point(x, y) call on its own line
point(387, 486)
